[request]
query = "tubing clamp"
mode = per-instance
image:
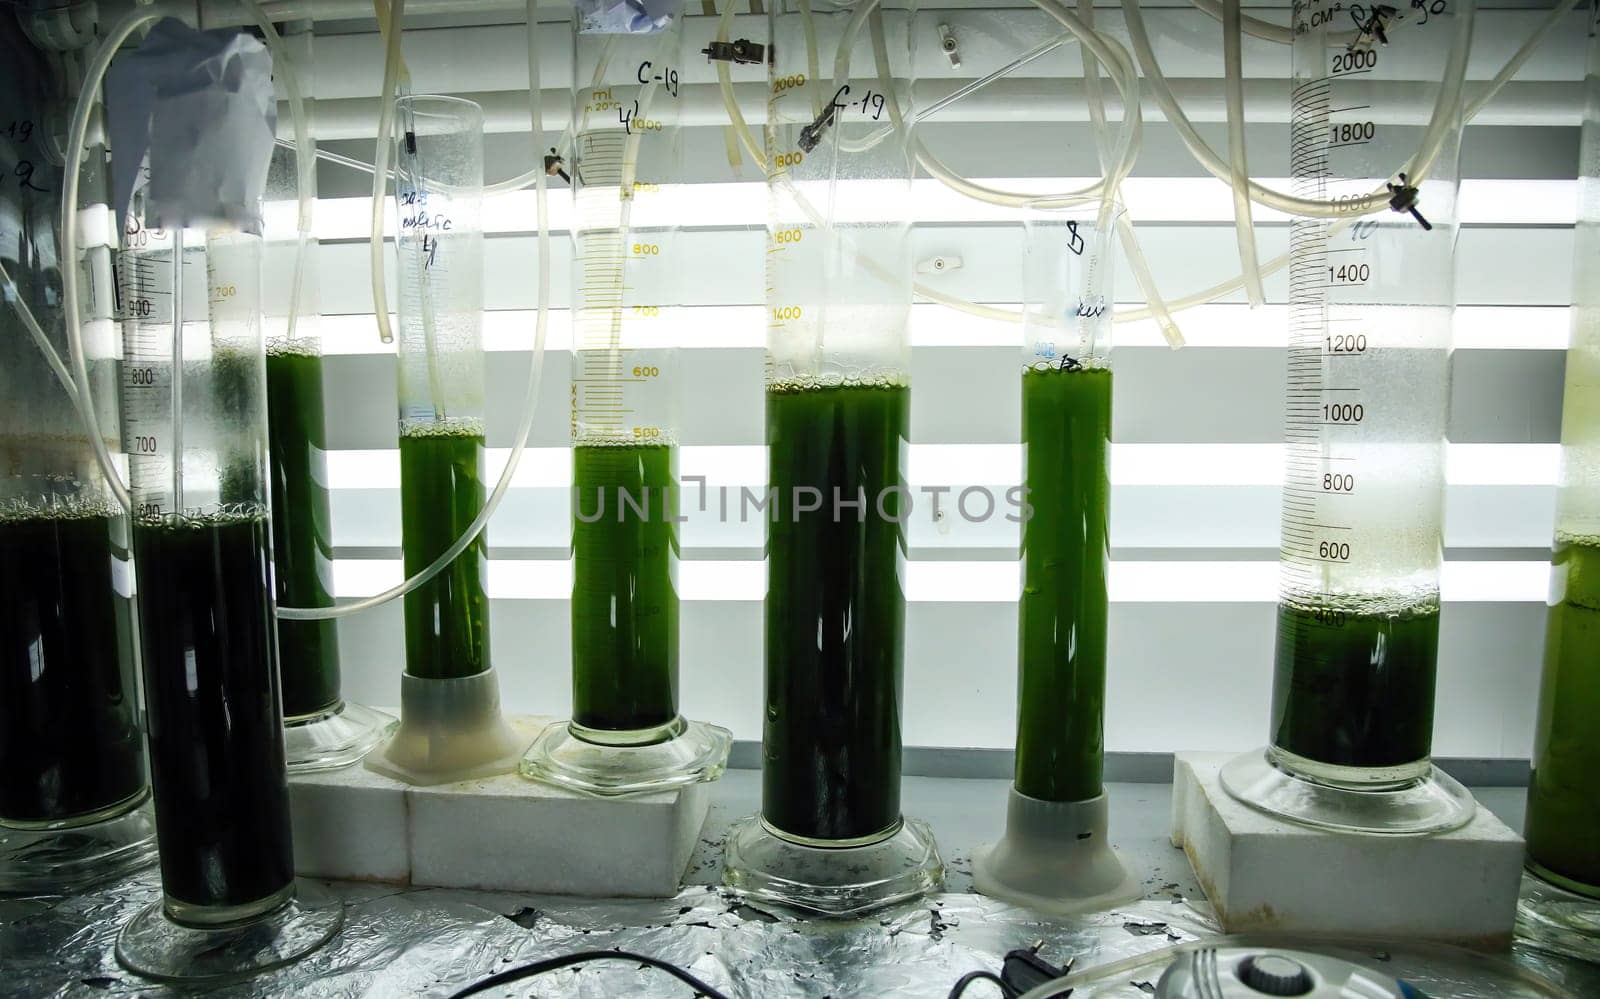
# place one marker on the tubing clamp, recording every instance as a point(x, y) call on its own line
point(1403, 199)
point(743, 52)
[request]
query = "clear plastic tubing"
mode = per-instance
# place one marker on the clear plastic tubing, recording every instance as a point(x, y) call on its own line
point(1066, 446)
point(438, 158)
point(195, 431)
point(1563, 820)
point(838, 421)
point(72, 762)
point(1367, 403)
point(626, 274)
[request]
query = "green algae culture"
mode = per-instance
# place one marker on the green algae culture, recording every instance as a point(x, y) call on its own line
point(302, 536)
point(1563, 821)
point(441, 493)
point(625, 586)
point(835, 611)
point(1061, 662)
point(1354, 687)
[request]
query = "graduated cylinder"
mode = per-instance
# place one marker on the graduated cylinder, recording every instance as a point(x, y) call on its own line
point(1371, 295)
point(838, 420)
point(195, 422)
point(438, 159)
point(1371, 300)
point(1563, 822)
point(1066, 442)
point(72, 762)
point(627, 159)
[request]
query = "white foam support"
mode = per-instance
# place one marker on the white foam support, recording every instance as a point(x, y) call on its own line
point(1265, 875)
point(499, 833)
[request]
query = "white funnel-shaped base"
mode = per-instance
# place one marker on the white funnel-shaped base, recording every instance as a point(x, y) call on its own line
point(450, 730)
point(1055, 857)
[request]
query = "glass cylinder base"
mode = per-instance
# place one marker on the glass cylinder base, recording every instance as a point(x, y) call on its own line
point(335, 739)
point(681, 753)
point(154, 946)
point(1552, 918)
point(1055, 857)
point(1432, 803)
point(48, 861)
point(450, 730)
point(761, 863)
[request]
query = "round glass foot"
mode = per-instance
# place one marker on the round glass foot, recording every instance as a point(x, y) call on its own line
point(38, 861)
point(154, 946)
point(336, 739)
point(1552, 918)
point(1432, 803)
point(697, 753)
point(831, 880)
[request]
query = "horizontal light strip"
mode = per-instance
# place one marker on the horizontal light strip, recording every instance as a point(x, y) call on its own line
point(973, 582)
point(1149, 200)
point(988, 464)
point(1477, 327)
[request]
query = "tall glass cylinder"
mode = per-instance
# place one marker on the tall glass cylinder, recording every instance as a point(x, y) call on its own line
point(1561, 908)
point(1371, 300)
point(451, 727)
point(626, 733)
point(195, 426)
point(830, 835)
point(1055, 853)
point(73, 789)
point(322, 729)
point(439, 193)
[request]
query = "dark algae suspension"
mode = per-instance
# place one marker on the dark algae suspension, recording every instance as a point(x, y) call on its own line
point(1563, 824)
point(1066, 428)
point(216, 737)
point(302, 537)
point(625, 586)
point(69, 731)
point(1354, 688)
point(835, 610)
point(441, 492)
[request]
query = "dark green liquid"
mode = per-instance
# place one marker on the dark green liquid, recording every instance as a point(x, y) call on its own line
point(835, 610)
point(1563, 825)
point(302, 535)
point(441, 491)
point(625, 587)
point(69, 732)
point(216, 730)
point(1061, 667)
point(1355, 690)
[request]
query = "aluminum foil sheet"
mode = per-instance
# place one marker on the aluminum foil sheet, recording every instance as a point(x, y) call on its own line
point(431, 942)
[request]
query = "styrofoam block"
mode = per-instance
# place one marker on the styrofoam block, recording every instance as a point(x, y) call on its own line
point(1262, 874)
point(505, 833)
point(508, 833)
point(349, 823)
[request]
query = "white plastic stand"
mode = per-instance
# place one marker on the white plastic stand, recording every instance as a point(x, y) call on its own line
point(1264, 874)
point(496, 833)
point(450, 730)
point(1056, 857)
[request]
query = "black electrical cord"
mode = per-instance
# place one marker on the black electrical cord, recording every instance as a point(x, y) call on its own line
point(965, 981)
point(568, 960)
